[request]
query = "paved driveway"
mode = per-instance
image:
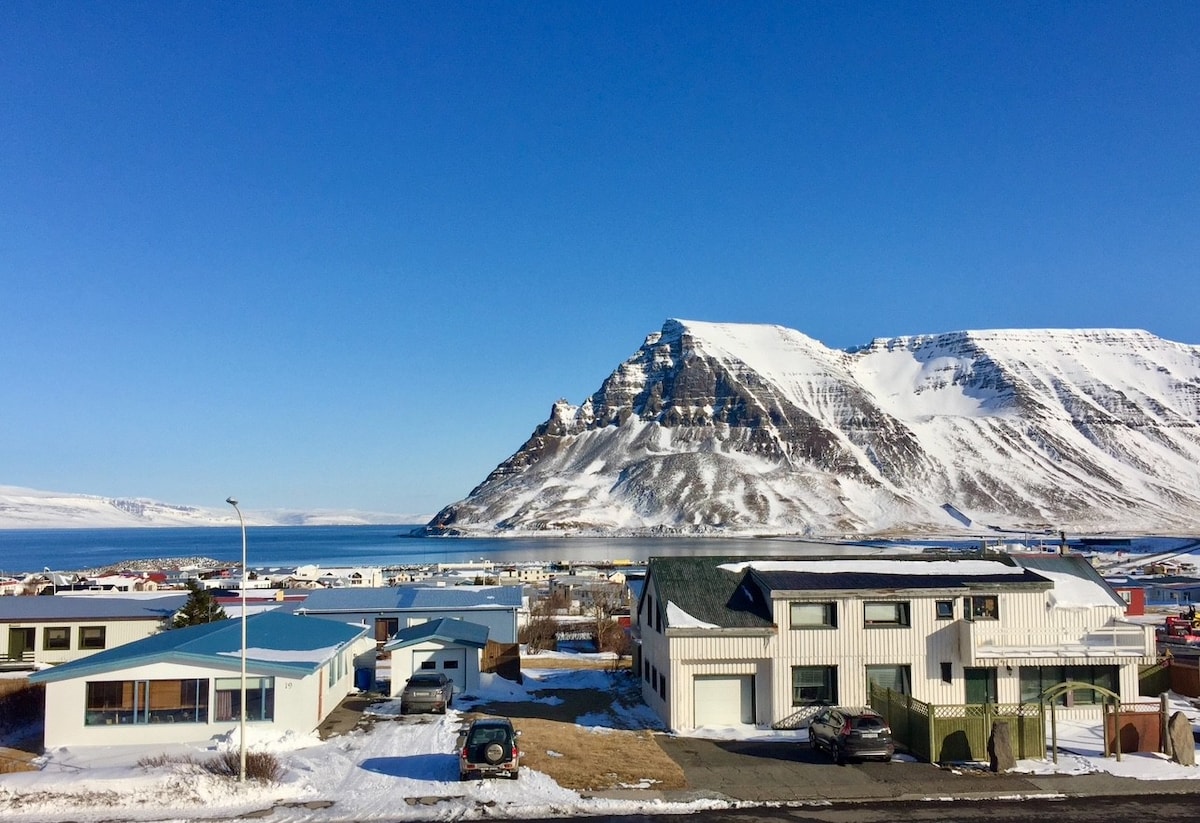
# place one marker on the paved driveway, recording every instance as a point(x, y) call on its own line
point(790, 772)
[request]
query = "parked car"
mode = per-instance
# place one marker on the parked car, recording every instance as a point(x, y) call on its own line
point(851, 733)
point(489, 749)
point(427, 692)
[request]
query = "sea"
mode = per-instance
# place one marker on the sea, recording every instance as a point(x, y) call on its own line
point(276, 547)
point(283, 547)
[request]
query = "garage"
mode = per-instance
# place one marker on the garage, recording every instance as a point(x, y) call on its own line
point(723, 700)
point(451, 662)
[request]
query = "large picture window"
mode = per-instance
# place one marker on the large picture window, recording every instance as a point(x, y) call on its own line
point(1036, 679)
point(814, 615)
point(885, 613)
point(814, 685)
point(983, 607)
point(896, 678)
point(260, 698)
point(146, 701)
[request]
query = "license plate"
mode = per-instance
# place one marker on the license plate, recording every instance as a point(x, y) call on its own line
point(868, 734)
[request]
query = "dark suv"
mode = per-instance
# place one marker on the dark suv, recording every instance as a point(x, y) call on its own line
point(489, 749)
point(847, 733)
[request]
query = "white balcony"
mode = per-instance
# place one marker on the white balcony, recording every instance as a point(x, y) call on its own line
point(984, 644)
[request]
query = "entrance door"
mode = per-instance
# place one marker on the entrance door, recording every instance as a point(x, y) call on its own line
point(981, 685)
point(20, 644)
point(723, 700)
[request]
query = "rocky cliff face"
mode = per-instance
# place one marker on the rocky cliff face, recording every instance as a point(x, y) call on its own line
point(760, 429)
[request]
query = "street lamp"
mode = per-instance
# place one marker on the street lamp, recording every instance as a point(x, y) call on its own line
point(242, 728)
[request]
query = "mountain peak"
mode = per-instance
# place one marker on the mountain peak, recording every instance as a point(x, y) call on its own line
point(728, 427)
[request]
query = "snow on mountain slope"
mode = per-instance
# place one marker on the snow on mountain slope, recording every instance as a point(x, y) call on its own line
point(755, 428)
point(22, 508)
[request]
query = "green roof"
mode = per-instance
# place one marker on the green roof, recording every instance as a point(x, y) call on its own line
point(699, 587)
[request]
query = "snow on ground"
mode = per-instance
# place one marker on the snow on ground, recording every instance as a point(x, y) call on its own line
point(406, 769)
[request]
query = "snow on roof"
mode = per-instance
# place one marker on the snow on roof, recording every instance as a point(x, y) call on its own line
point(286, 655)
point(677, 618)
point(1073, 592)
point(954, 568)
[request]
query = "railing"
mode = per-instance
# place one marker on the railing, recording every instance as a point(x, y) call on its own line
point(987, 642)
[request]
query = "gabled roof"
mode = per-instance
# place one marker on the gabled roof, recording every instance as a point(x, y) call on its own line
point(445, 629)
point(1072, 565)
point(703, 590)
point(89, 607)
point(276, 643)
point(412, 598)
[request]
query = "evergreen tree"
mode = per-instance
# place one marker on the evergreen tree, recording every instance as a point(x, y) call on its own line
point(200, 608)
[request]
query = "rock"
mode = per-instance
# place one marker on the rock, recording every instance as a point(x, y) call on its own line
point(1180, 743)
point(1000, 748)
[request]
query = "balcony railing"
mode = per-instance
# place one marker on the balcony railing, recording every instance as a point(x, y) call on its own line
point(982, 642)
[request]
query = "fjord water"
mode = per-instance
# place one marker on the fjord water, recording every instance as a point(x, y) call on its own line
point(28, 550)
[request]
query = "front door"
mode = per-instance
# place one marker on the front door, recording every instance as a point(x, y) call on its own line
point(981, 685)
point(20, 644)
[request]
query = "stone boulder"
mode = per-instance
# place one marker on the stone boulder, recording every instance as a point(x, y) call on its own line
point(1181, 745)
point(1000, 748)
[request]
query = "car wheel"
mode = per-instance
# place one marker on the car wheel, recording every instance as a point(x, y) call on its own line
point(835, 752)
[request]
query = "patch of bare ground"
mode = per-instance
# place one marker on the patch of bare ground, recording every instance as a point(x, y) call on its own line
point(16, 760)
point(535, 661)
point(592, 757)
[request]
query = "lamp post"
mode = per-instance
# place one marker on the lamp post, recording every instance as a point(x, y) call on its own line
point(242, 712)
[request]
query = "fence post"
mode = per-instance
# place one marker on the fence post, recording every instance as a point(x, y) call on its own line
point(1162, 722)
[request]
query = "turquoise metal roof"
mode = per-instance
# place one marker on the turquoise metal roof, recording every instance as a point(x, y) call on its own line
point(276, 643)
point(446, 629)
point(411, 598)
point(70, 608)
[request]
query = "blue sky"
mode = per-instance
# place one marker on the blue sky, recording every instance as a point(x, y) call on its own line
point(347, 255)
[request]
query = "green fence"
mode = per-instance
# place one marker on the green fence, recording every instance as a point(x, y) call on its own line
point(959, 734)
point(1155, 679)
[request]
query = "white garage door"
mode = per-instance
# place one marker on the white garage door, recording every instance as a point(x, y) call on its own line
point(723, 700)
point(450, 662)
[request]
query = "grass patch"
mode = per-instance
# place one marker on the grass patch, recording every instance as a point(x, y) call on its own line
point(594, 760)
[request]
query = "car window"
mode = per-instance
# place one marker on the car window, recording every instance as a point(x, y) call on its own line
point(869, 723)
point(424, 680)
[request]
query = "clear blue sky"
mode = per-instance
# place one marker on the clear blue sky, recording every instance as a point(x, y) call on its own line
point(347, 255)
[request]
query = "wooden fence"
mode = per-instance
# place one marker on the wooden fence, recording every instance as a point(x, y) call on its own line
point(1171, 674)
point(959, 733)
point(502, 658)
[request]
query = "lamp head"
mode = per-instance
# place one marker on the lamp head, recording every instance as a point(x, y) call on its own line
point(231, 501)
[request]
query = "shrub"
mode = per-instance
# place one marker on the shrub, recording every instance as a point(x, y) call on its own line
point(261, 766)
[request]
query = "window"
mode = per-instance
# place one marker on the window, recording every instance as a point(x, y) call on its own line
point(944, 609)
point(646, 670)
point(982, 607)
point(145, 701)
point(91, 637)
point(56, 638)
point(896, 678)
point(428, 664)
point(662, 686)
point(1036, 679)
point(260, 698)
point(886, 613)
point(386, 628)
point(814, 615)
point(814, 685)
point(947, 672)
point(449, 664)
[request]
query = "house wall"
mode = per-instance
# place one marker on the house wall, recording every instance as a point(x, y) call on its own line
point(116, 633)
point(301, 703)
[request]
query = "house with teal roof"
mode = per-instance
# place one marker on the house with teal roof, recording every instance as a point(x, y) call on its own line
point(185, 685)
point(447, 645)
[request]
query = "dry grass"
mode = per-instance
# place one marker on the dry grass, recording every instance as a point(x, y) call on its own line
point(15, 760)
point(535, 661)
point(593, 760)
point(588, 759)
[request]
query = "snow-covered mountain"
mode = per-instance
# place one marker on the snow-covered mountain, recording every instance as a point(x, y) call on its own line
point(760, 429)
point(22, 508)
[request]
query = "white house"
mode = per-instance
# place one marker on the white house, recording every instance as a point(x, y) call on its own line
point(184, 685)
point(729, 640)
point(445, 645)
point(48, 630)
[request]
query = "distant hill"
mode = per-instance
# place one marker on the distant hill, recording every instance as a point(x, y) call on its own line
point(715, 428)
point(32, 509)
